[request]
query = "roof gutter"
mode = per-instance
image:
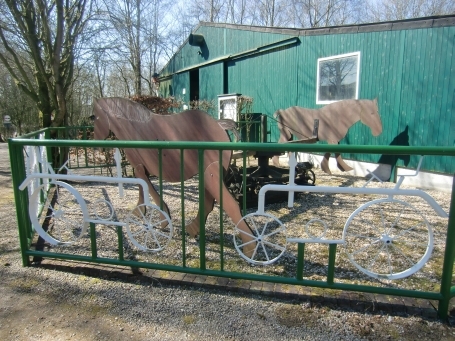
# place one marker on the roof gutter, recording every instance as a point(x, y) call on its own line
point(243, 54)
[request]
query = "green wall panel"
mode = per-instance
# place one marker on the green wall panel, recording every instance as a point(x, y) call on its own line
point(257, 77)
point(411, 72)
point(181, 81)
point(211, 85)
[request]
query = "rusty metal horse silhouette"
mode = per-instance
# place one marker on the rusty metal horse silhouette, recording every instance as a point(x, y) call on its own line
point(335, 119)
point(129, 120)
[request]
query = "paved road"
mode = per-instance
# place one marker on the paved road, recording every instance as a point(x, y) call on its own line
point(6, 186)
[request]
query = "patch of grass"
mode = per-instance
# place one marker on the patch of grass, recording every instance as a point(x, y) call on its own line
point(25, 285)
point(318, 291)
point(95, 281)
point(189, 319)
point(95, 310)
point(294, 316)
point(331, 292)
point(391, 332)
point(163, 273)
point(436, 263)
point(193, 263)
point(261, 316)
point(422, 284)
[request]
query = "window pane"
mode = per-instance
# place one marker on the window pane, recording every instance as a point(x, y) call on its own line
point(338, 79)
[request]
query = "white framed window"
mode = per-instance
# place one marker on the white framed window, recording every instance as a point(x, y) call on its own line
point(227, 106)
point(338, 78)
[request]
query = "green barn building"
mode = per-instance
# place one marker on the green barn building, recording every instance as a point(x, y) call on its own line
point(408, 65)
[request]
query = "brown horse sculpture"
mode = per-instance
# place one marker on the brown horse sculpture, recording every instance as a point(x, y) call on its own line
point(335, 119)
point(129, 120)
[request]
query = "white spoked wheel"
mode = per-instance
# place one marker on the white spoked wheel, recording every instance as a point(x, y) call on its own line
point(266, 241)
point(103, 210)
point(64, 216)
point(388, 238)
point(149, 228)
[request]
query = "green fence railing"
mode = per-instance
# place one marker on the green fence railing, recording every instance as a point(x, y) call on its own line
point(214, 254)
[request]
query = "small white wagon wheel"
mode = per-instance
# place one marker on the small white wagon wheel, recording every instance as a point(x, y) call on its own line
point(149, 228)
point(388, 238)
point(268, 234)
point(64, 216)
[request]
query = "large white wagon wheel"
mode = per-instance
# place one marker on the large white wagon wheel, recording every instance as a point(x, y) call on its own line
point(64, 215)
point(267, 232)
point(149, 228)
point(388, 238)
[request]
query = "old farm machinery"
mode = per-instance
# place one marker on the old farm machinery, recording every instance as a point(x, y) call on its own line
point(245, 181)
point(301, 125)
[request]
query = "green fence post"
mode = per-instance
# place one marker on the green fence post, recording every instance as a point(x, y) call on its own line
point(21, 199)
point(120, 243)
point(449, 257)
point(221, 172)
point(182, 203)
point(47, 136)
point(300, 260)
point(93, 241)
point(244, 183)
point(202, 265)
point(160, 177)
point(331, 267)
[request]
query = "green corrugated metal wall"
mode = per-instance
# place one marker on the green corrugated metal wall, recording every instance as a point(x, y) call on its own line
point(269, 78)
point(181, 81)
point(411, 72)
point(211, 85)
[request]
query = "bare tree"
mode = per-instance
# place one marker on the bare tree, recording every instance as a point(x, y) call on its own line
point(159, 38)
point(124, 34)
point(239, 12)
point(277, 13)
point(16, 104)
point(80, 96)
point(269, 13)
point(206, 10)
point(38, 43)
point(384, 10)
point(100, 69)
point(230, 11)
point(322, 13)
point(135, 38)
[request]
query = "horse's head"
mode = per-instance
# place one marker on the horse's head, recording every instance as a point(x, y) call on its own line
point(101, 118)
point(370, 116)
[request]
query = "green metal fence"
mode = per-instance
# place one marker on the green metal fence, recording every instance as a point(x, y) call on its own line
point(203, 257)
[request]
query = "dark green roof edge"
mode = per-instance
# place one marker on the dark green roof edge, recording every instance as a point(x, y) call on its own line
point(415, 23)
point(262, 48)
point(407, 24)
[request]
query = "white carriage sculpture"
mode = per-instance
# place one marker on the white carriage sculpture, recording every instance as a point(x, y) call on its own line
point(148, 227)
point(378, 246)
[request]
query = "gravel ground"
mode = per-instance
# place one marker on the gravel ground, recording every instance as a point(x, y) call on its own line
point(37, 303)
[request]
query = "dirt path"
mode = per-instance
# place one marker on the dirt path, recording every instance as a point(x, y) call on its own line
point(28, 312)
